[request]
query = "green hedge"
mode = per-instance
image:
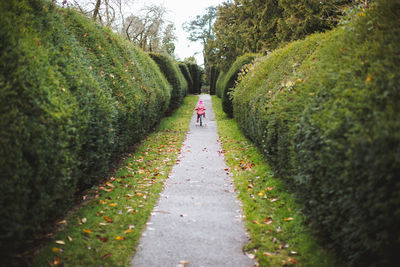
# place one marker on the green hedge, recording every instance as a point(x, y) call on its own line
point(219, 84)
point(185, 71)
point(195, 73)
point(72, 95)
point(174, 76)
point(325, 112)
point(228, 82)
point(139, 94)
point(214, 73)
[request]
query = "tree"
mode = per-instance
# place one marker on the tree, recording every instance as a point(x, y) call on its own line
point(201, 29)
point(107, 12)
point(255, 26)
point(145, 31)
point(168, 45)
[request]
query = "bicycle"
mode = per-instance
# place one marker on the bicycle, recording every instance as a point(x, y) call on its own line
point(201, 119)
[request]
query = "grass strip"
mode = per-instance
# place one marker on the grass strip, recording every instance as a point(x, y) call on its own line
point(273, 218)
point(106, 230)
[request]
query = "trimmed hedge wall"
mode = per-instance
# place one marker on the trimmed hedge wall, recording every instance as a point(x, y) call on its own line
point(325, 112)
point(174, 76)
point(219, 84)
point(229, 81)
point(214, 73)
point(72, 95)
point(185, 71)
point(195, 73)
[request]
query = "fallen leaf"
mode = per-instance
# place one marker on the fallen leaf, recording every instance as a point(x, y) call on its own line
point(56, 250)
point(268, 254)
point(268, 220)
point(56, 261)
point(108, 219)
point(250, 256)
point(288, 219)
point(62, 222)
point(102, 239)
point(69, 238)
point(184, 263)
point(261, 193)
point(269, 188)
point(128, 231)
point(119, 238)
point(113, 204)
point(256, 222)
point(106, 256)
point(293, 260)
point(84, 220)
point(87, 231)
point(60, 242)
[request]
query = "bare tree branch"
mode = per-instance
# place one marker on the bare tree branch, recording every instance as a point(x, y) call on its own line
point(96, 9)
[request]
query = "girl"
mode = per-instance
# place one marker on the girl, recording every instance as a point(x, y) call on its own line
point(201, 110)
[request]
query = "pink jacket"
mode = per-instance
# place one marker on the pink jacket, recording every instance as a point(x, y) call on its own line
point(200, 108)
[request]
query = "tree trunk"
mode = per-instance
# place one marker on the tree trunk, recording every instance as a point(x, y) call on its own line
point(107, 13)
point(96, 9)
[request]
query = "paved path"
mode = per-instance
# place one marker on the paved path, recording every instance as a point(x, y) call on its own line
point(197, 221)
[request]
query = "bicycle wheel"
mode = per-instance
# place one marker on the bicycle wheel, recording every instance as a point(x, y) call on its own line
point(201, 120)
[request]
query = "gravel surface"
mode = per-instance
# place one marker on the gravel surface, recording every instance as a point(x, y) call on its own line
point(197, 221)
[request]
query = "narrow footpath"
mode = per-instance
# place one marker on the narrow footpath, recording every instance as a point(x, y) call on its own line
point(197, 221)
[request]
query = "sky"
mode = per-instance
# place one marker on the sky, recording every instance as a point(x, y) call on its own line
point(178, 12)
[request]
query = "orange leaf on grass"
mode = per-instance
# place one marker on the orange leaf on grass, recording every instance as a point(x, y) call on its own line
point(268, 220)
point(119, 238)
point(56, 250)
point(87, 231)
point(268, 254)
point(56, 261)
point(102, 239)
point(106, 256)
point(108, 219)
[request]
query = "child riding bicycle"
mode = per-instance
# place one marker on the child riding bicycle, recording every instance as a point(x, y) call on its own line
point(201, 110)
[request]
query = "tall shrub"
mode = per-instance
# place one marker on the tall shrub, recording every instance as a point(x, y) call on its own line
point(325, 113)
point(230, 80)
point(185, 71)
point(219, 84)
point(348, 139)
point(174, 76)
point(214, 73)
point(72, 95)
point(195, 72)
